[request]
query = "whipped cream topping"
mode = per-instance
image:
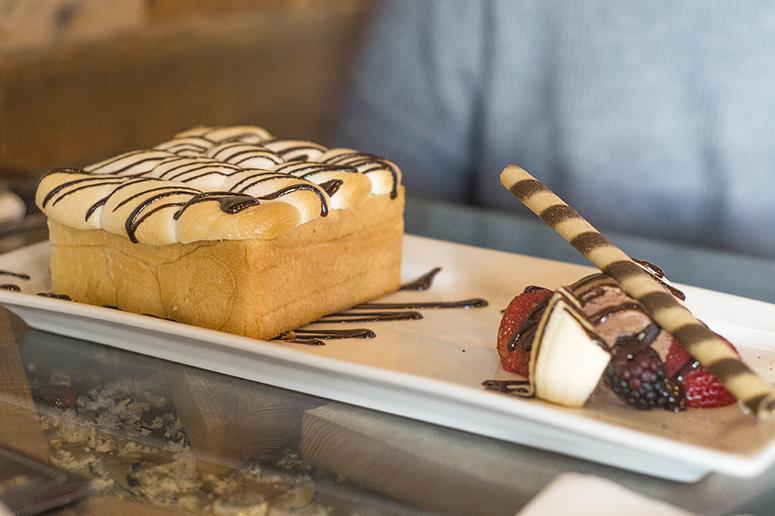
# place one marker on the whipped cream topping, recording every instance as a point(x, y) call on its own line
point(238, 133)
point(245, 155)
point(153, 195)
point(132, 163)
point(189, 146)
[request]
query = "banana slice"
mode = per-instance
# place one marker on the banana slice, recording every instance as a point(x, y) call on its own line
point(567, 359)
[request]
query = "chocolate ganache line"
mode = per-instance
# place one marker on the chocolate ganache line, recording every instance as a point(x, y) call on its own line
point(424, 282)
point(465, 303)
point(54, 191)
point(19, 275)
point(358, 159)
point(315, 337)
point(229, 202)
point(133, 181)
point(519, 388)
point(347, 317)
point(526, 331)
point(295, 188)
point(658, 274)
point(134, 219)
point(331, 186)
point(54, 295)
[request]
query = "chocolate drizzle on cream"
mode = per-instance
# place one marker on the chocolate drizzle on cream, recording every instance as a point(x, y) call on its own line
point(229, 202)
point(367, 164)
point(134, 219)
point(332, 186)
point(236, 159)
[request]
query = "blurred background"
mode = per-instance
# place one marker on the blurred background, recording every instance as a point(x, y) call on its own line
point(83, 79)
point(653, 119)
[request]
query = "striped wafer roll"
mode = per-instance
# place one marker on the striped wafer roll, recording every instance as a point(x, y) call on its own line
point(663, 307)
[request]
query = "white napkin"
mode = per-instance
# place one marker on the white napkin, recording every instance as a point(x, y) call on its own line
point(587, 495)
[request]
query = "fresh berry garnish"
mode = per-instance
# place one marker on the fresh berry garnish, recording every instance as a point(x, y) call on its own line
point(702, 389)
point(638, 377)
point(517, 329)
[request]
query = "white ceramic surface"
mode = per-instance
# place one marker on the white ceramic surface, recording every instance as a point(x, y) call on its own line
point(432, 369)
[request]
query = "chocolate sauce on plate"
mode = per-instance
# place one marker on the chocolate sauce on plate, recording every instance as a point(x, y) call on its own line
point(53, 295)
point(316, 337)
point(19, 275)
point(513, 387)
point(658, 274)
point(347, 317)
point(424, 282)
point(476, 302)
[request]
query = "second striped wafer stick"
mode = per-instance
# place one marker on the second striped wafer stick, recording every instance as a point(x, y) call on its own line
point(664, 308)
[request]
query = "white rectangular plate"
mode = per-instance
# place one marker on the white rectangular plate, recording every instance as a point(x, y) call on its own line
point(432, 369)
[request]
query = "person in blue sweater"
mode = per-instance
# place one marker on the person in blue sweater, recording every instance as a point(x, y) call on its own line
point(653, 118)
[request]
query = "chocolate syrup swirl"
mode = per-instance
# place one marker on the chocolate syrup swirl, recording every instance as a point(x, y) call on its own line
point(54, 191)
point(10, 286)
point(523, 336)
point(240, 186)
point(229, 202)
point(104, 200)
point(364, 313)
point(355, 333)
point(315, 337)
point(476, 302)
point(304, 170)
point(424, 282)
point(519, 388)
point(19, 275)
point(174, 190)
point(659, 275)
point(347, 317)
point(295, 188)
point(54, 295)
point(134, 219)
point(85, 187)
point(601, 316)
point(332, 186)
point(358, 159)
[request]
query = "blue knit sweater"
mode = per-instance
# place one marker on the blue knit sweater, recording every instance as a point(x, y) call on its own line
point(654, 117)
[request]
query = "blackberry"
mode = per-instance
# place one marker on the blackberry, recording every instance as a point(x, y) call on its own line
point(638, 377)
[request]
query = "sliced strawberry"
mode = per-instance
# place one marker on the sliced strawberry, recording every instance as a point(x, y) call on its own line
point(702, 389)
point(515, 356)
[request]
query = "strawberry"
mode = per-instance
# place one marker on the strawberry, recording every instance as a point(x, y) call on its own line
point(515, 358)
point(702, 389)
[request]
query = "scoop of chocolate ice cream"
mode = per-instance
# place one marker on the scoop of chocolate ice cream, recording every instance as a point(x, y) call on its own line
point(618, 319)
